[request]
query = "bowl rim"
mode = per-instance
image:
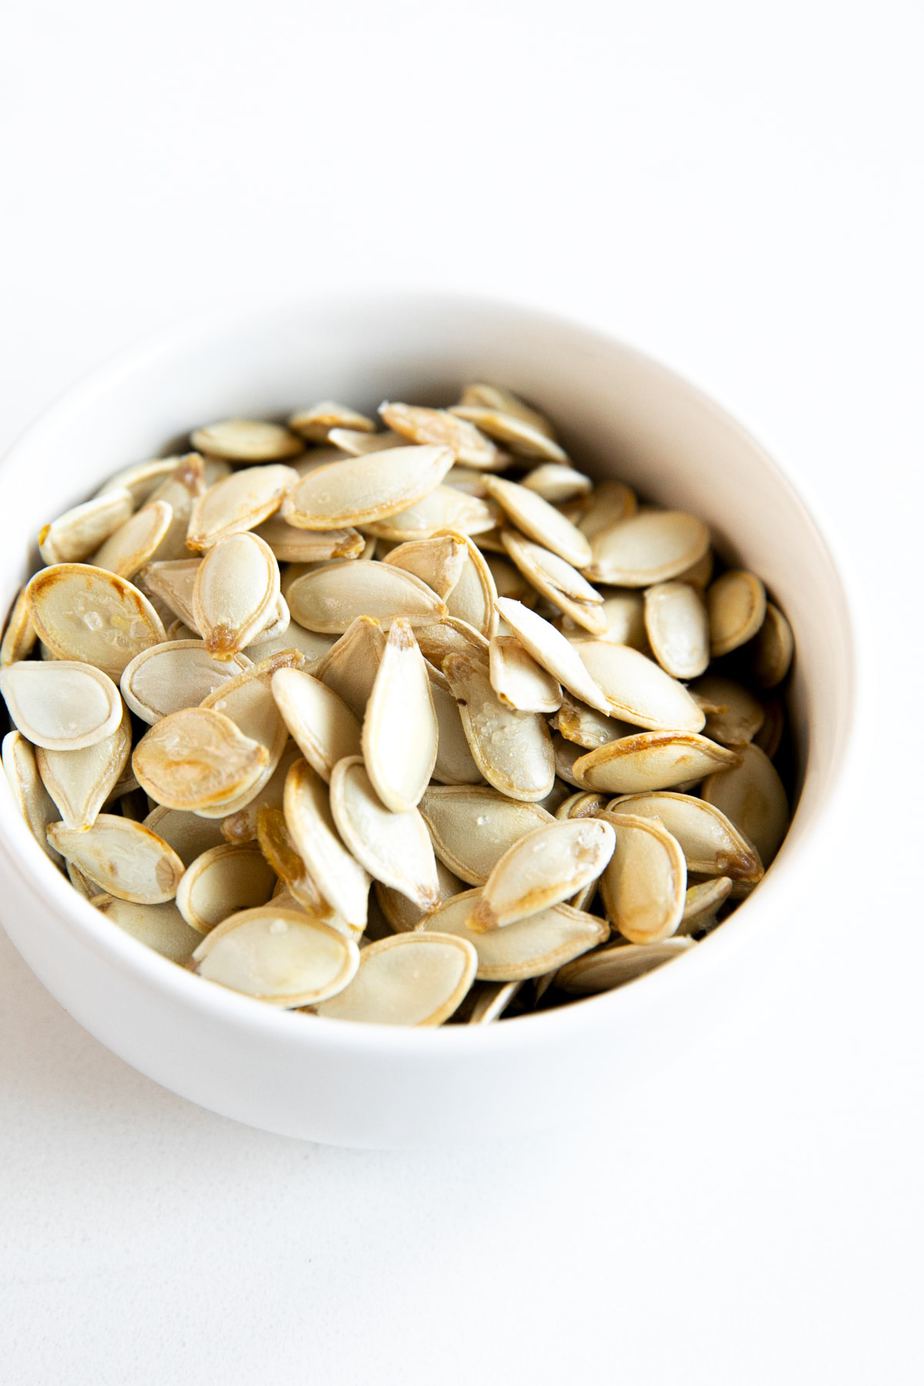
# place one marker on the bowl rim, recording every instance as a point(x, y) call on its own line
point(20, 852)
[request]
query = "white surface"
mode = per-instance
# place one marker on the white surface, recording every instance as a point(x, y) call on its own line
point(739, 191)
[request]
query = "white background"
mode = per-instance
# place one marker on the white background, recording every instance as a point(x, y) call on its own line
point(737, 188)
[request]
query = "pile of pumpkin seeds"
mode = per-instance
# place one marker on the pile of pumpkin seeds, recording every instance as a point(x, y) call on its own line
point(400, 724)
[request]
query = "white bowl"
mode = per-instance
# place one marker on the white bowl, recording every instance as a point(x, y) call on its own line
point(621, 414)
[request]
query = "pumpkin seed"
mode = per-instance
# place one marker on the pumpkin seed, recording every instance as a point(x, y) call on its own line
point(248, 701)
point(770, 735)
point(518, 680)
point(85, 614)
point(394, 848)
point(473, 594)
point(438, 562)
point(328, 599)
point(556, 482)
point(513, 750)
point(773, 648)
point(247, 440)
point(624, 618)
point(450, 636)
point(172, 581)
point(160, 927)
point(492, 1000)
point(733, 715)
point(134, 543)
point(702, 902)
point(223, 881)
point(647, 547)
point(240, 825)
point(472, 827)
point(187, 833)
point(357, 444)
point(678, 628)
point(74, 535)
point(140, 478)
point(558, 582)
point(644, 885)
point(737, 605)
point(651, 760)
point(291, 545)
point(504, 401)
point(19, 635)
point(123, 857)
point(585, 726)
point(80, 781)
point(240, 502)
point(540, 521)
point(342, 882)
point(637, 690)
point(320, 721)
point(61, 705)
point(236, 588)
point(610, 502)
point(400, 731)
point(350, 666)
point(401, 914)
point(316, 423)
point(443, 508)
point(177, 674)
point(549, 648)
point(440, 427)
point(542, 869)
point(308, 643)
point(408, 979)
point(752, 796)
point(613, 967)
point(529, 948)
point(276, 845)
point(195, 759)
point(32, 798)
point(357, 490)
point(179, 490)
point(278, 955)
point(711, 843)
point(520, 436)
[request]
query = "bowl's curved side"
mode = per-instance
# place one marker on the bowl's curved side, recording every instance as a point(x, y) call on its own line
point(366, 1085)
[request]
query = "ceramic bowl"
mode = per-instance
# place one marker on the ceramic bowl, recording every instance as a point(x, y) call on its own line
point(621, 414)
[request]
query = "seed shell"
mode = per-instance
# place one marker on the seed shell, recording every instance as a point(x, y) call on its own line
point(647, 547)
point(408, 979)
point(85, 614)
point(613, 967)
point(472, 827)
point(197, 758)
point(637, 690)
point(221, 882)
point(529, 948)
point(773, 648)
point(711, 843)
point(540, 521)
point(513, 750)
point(235, 590)
point(19, 635)
point(737, 605)
point(340, 879)
point(651, 760)
point(394, 848)
point(400, 732)
point(544, 868)
point(357, 490)
point(174, 675)
point(80, 781)
point(444, 429)
point(135, 543)
point(518, 680)
point(32, 798)
point(247, 440)
point(677, 625)
point(644, 886)
point(74, 535)
point(320, 722)
point(278, 955)
point(752, 796)
point(328, 599)
point(123, 857)
point(61, 705)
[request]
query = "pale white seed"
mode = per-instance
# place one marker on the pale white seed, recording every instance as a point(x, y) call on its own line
point(172, 582)
point(408, 979)
point(85, 614)
point(394, 848)
point(473, 594)
point(62, 705)
point(540, 521)
point(177, 674)
point(179, 490)
point(401, 914)
point(492, 1000)
point(319, 720)
point(644, 885)
point(80, 782)
point(587, 727)
point(773, 648)
point(647, 547)
point(328, 599)
point(19, 635)
point(613, 967)
point(342, 882)
point(733, 715)
point(309, 643)
point(520, 436)
point(222, 881)
point(124, 858)
point(357, 490)
point(702, 902)
point(637, 690)
point(609, 502)
point(236, 588)
point(518, 680)
point(529, 948)
point(542, 869)
point(557, 483)
point(442, 508)
point(751, 794)
point(678, 628)
point(472, 827)
point(624, 620)
point(440, 427)
point(31, 796)
point(276, 845)
point(438, 562)
point(316, 423)
point(197, 758)
point(504, 401)
point(737, 605)
point(512, 749)
point(356, 443)
point(281, 956)
point(247, 440)
point(160, 927)
point(248, 701)
point(400, 732)
point(74, 535)
point(141, 478)
point(240, 502)
point(134, 543)
point(187, 833)
point(651, 760)
point(558, 582)
point(550, 649)
point(454, 762)
point(350, 666)
point(291, 545)
point(710, 842)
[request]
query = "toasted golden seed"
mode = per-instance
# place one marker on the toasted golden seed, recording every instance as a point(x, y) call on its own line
point(236, 588)
point(702, 902)
point(644, 886)
point(394, 848)
point(19, 635)
point(647, 547)
point(74, 535)
point(222, 881)
point(473, 826)
point(439, 426)
point(737, 605)
point(357, 490)
point(518, 680)
point(85, 614)
point(80, 781)
point(711, 843)
point(585, 726)
point(542, 869)
point(316, 423)
point(529, 948)
point(513, 750)
point(678, 628)
point(408, 979)
point(125, 858)
point(329, 598)
point(281, 956)
point(636, 689)
point(540, 521)
point(247, 440)
point(773, 648)
point(752, 796)
point(62, 705)
point(276, 845)
point(614, 966)
point(319, 720)
point(651, 760)
point(340, 879)
point(32, 798)
point(197, 758)
point(174, 675)
point(400, 731)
